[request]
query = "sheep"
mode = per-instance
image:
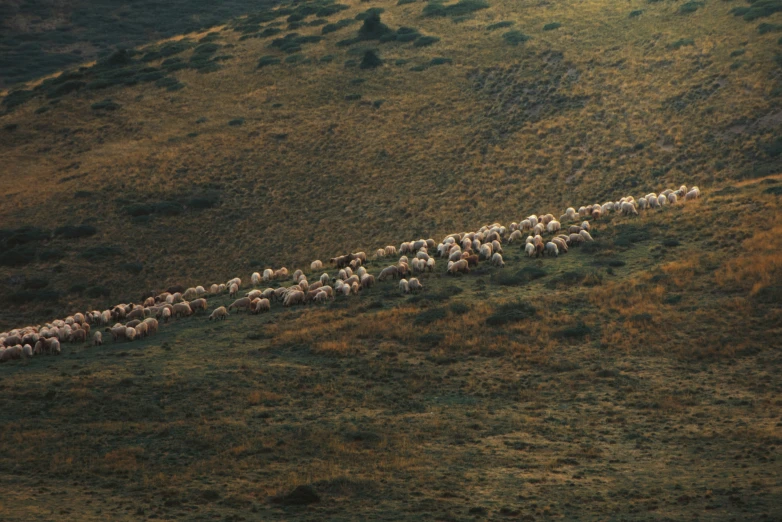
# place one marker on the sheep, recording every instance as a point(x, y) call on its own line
point(316, 265)
point(415, 285)
point(403, 269)
point(585, 235)
point(571, 214)
point(575, 239)
point(380, 253)
point(455, 254)
point(460, 266)
point(141, 330)
point(672, 198)
point(472, 260)
point(261, 305)
point(662, 200)
point(304, 284)
point(97, 339)
point(390, 250)
point(628, 209)
point(54, 347)
point(221, 288)
point(496, 260)
point(553, 226)
point(430, 264)
point(404, 286)
point(367, 281)
point(422, 255)
point(516, 234)
point(136, 314)
point(254, 294)
point(344, 289)
point(354, 288)
point(233, 290)
point(297, 275)
point(596, 213)
point(255, 278)
point(79, 336)
point(342, 274)
point(27, 351)
point(643, 203)
point(653, 201)
point(496, 246)
point(485, 252)
point(551, 249)
point(342, 261)
point(166, 314)
point(267, 276)
point(321, 297)
point(152, 325)
point(189, 294)
point(694, 193)
point(181, 309)
point(219, 314)
point(561, 244)
point(130, 334)
point(198, 304)
point(282, 273)
point(389, 271)
point(361, 271)
point(530, 250)
point(279, 293)
point(294, 298)
point(244, 302)
point(200, 290)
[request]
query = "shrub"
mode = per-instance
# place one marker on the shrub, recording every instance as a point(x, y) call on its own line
point(372, 28)
point(690, 7)
point(203, 202)
point(66, 88)
point(167, 81)
point(371, 12)
point(760, 9)
point(105, 105)
point(522, 277)
point(431, 339)
point(429, 316)
point(510, 312)
point(75, 231)
point(440, 61)
point(500, 25)
point(236, 122)
point(370, 60)
point(631, 233)
point(133, 267)
point(331, 9)
point(574, 332)
point(461, 8)
point(267, 60)
point(50, 254)
point(43, 109)
point(682, 42)
point(769, 28)
point(515, 37)
point(552, 26)
point(352, 97)
point(636, 13)
point(737, 52)
point(425, 41)
point(100, 253)
point(341, 24)
point(575, 277)
point(459, 308)
point(406, 34)
point(19, 256)
point(671, 242)
point(405, 2)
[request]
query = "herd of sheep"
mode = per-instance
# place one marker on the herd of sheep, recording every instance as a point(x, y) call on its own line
point(462, 251)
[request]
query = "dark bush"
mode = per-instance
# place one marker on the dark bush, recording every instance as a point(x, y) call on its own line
point(352, 97)
point(690, 7)
point(515, 37)
point(459, 308)
point(100, 253)
point(372, 11)
point(429, 316)
point(510, 312)
point(43, 109)
point(774, 191)
point(671, 242)
point(759, 9)
point(267, 60)
point(50, 255)
point(575, 277)
point(98, 291)
point(461, 8)
point(22, 236)
point(204, 201)
point(574, 332)
point(75, 231)
point(66, 88)
point(636, 13)
point(19, 256)
point(425, 41)
point(372, 28)
point(236, 122)
point(552, 26)
point(500, 25)
point(331, 9)
point(167, 208)
point(370, 60)
point(35, 283)
point(681, 42)
point(440, 61)
point(105, 105)
point(522, 277)
point(118, 58)
point(431, 339)
point(341, 24)
point(631, 233)
point(132, 267)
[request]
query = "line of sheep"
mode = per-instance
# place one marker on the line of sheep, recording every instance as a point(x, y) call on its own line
point(462, 250)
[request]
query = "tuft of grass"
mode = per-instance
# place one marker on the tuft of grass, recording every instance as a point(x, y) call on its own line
point(551, 26)
point(690, 7)
point(460, 8)
point(500, 25)
point(515, 37)
point(511, 313)
point(425, 41)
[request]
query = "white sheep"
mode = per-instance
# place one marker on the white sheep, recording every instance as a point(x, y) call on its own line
point(219, 314)
point(316, 265)
point(551, 249)
point(496, 260)
point(414, 285)
point(404, 286)
point(672, 198)
point(585, 235)
point(268, 275)
point(553, 226)
point(530, 250)
point(430, 264)
point(324, 278)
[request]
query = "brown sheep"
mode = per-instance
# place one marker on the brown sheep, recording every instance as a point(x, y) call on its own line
point(389, 271)
point(460, 266)
point(244, 302)
point(261, 305)
point(218, 314)
point(181, 309)
point(198, 304)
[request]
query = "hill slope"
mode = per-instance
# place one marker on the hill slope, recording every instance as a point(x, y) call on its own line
point(278, 165)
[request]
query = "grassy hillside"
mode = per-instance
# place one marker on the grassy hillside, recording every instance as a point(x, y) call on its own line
point(207, 164)
point(40, 37)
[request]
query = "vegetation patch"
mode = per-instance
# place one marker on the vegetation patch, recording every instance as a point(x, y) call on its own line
point(370, 60)
point(500, 25)
point(690, 7)
point(425, 41)
point(681, 42)
point(520, 278)
point(461, 8)
point(636, 13)
point(515, 37)
point(511, 313)
point(552, 26)
point(429, 316)
point(578, 331)
point(341, 24)
point(758, 9)
point(75, 231)
point(268, 60)
point(101, 253)
point(105, 105)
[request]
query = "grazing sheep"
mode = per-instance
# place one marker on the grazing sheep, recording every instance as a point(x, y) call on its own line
point(694, 193)
point(367, 281)
point(254, 294)
point(27, 351)
point(361, 271)
point(255, 278)
point(221, 288)
point(261, 305)
point(596, 213)
point(130, 333)
point(282, 273)
point(234, 289)
point(643, 203)
point(538, 229)
point(561, 245)
point(390, 271)
point(585, 235)
point(342, 274)
point(496, 260)
point(316, 265)
point(189, 294)
point(390, 250)
point(79, 336)
point(415, 285)
point(294, 298)
point(460, 266)
point(218, 314)
point(551, 249)
point(516, 234)
point(181, 309)
point(244, 302)
point(166, 314)
point(200, 290)
point(380, 253)
point(321, 297)
point(268, 274)
point(430, 264)
point(97, 339)
point(198, 304)
point(530, 250)
point(136, 314)
point(672, 198)
point(152, 325)
point(304, 284)
point(662, 200)
point(297, 275)
point(141, 330)
point(344, 289)
point(485, 251)
point(553, 226)
point(628, 209)
point(404, 286)
point(324, 278)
